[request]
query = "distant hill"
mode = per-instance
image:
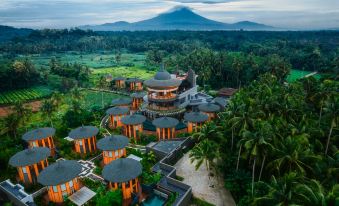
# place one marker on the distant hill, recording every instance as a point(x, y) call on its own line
point(181, 18)
point(8, 33)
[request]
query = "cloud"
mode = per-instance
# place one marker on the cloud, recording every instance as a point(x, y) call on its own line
point(302, 14)
point(204, 1)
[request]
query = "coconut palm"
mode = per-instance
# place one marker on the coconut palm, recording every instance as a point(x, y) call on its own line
point(293, 154)
point(310, 193)
point(332, 112)
point(102, 84)
point(208, 131)
point(257, 145)
point(206, 152)
point(11, 124)
point(48, 108)
point(22, 111)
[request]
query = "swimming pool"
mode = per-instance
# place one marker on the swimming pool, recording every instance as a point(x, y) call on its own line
point(154, 200)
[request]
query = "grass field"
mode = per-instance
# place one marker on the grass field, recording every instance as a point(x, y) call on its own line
point(93, 98)
point(92, 60)
point(127, 72)
point(298, 74)
point(24, 95)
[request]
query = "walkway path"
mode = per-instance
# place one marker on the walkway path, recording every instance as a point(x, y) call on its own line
point(200, 183)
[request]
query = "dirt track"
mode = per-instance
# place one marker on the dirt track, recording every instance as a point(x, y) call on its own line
point(7, 110)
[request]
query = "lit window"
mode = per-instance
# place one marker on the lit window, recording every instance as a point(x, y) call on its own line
point(70, 183)
point(34, 144)
point(24, 170)
point(63, 187)
point(121, 151)
point(110, 154)
point(55, 189)
point(116, 153)
point(80, 143)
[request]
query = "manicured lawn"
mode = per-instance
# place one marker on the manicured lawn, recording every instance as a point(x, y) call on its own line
point(298, 74)
point(28, 94)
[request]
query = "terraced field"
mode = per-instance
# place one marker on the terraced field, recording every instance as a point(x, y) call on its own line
point(9, 97)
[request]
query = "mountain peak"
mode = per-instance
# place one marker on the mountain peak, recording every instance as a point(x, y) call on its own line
point(179, 18)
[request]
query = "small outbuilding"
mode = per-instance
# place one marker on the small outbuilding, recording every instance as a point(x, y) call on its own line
point(133, 125)
point(123, 174)
point(84, 139)
point(122, 102)
point(120, 82)
point(195, 120)
point(210, 109)
point(137, 99)
point(115, 115)
point(135, 84)
point(30, 162)
point(113, 147)
point(41, 137)
point(61, 179)
point(165, 127)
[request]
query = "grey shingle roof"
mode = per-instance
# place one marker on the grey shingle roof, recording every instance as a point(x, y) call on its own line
point(121, 101)
point(60, 172)
point(38, 134)
point(138, 94)
point(165, 122)
point(195, 117)
point(119, 78)
point(134, 80)
point(111, 143)
point(209, 107)
point(162, 79)
point(122, 170)
point(29, 156)
point(220, 101)
point(83, 132)
point(133, 119)
point(117, 110)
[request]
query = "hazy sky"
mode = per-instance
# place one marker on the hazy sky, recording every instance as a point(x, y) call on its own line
point(293, 14)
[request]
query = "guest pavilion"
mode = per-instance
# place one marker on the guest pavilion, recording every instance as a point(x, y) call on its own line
point(41, 137)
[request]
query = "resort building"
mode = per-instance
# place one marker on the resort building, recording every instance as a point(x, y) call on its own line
point(169, 95)
point(123, 174)
point(135, 84)
point(29, 163)
point(120, 82)
point(113, 147)
point(195, 120)
point(137, 99)
point(41, 137)
point(61, 179)
point(115, 115)
point(122, 102)
point(84, 139)
point(133, 125)
point(210, 109)
point(165, 127)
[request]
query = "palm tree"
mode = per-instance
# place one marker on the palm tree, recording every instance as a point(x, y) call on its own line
point(310, 193)
point(257, 145)
point(281, 191)
point(292, 189)
point(206, 152)
point(56, 98)
point(48, 108)
point(208, 131)
point(332, 112)
point(293, 154)
point(102, 85)
point(76, 93)
point(11, 124)
point(22, 111)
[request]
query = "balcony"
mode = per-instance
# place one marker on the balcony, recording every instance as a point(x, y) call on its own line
point(162, 98)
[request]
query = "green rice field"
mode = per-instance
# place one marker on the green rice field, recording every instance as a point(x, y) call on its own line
point(298, 74)
point(28, 94)
point(127, 72)
point(92, 60)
